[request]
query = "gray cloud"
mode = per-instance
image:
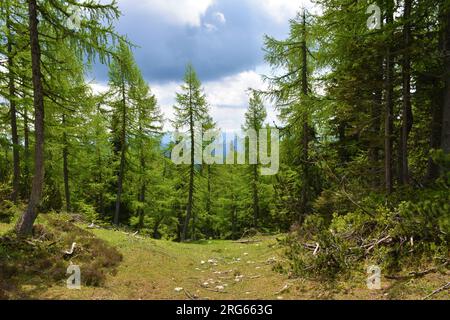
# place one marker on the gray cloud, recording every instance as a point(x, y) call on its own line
point(231, 46)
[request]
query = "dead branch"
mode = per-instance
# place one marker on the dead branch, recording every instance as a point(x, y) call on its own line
point(444, 287)
point(189, 295)
point(249, 241)
point(416, 274)
point(214, 290)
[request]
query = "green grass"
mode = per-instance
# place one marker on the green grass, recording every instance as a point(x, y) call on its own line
point(152, 269)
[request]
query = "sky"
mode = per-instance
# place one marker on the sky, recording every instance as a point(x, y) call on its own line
point(223, 39)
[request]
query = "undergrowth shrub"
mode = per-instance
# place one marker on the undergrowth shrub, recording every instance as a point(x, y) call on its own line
point(408, 235)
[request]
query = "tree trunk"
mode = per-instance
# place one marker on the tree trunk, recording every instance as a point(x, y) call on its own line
point(446, 106)
point(191, 181)
point(376, 112)
point(143, 181)
point(389, 87)
point(255, 196)
point(208, 199)
point(433, 169)
point(26, 138)
point(141, 210)
point(122, 157)
point(66, 166)
point(305, 133)
point(407, 115)
point(25, 224)
point(13, 114)
point(233, 218)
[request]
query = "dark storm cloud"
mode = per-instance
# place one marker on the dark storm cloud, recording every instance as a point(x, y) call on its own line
point(165, 48)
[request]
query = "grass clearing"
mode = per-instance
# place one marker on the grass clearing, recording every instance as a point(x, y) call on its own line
point(154, 269)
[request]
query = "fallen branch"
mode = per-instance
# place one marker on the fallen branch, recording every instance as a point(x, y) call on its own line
point(386, 239)
point(416, 274)
point(213, 290)
point(284, 289)
point(316, 250)
point(444, 287)
point(247, 241)
point(189, 295)
point(72, 249)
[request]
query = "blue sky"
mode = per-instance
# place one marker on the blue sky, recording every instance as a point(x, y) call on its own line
point(223, 39)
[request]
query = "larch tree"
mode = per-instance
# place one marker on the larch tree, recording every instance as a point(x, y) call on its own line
point(254, 120)
point(191, 108)
point(49, 21)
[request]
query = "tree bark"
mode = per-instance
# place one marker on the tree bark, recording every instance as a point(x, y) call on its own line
point(305, 133)
point(255, 195)
point(191, 181)
point(407, 115)
point(233, 218)
point(25, 224)
point(389, 109)
point(122, 157)
point(376, 115)
point(13, 115)
point(65, 152)
point(26, 138)
point(143, 185)
point(141, 210)
point(446, 106)
point(208, 199)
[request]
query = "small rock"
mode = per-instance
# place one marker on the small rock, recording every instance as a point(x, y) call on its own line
point(178, 289)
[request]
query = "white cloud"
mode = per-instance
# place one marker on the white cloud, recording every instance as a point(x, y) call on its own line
point(99, 88)
point(283, 10)
point(210, 27)
point(227, 97)
point(186, 12)
point(220, 17)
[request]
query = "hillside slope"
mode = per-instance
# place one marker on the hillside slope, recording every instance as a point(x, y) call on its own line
point(156, 269)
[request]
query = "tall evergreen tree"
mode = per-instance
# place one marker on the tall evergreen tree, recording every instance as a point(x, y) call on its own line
point(191, 108)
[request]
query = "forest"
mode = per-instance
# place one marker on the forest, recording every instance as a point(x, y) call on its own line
point(362, 98)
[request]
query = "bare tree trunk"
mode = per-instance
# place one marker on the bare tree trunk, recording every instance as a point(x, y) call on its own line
point(66, 167)
point(407, 109)
point(26, 138)
point(377, 107)
point(13, 114)
point(446, 107)
point(389, 109)
point(25, 224)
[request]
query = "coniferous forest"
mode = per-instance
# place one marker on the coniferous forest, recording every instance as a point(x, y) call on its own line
point(361, 93)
